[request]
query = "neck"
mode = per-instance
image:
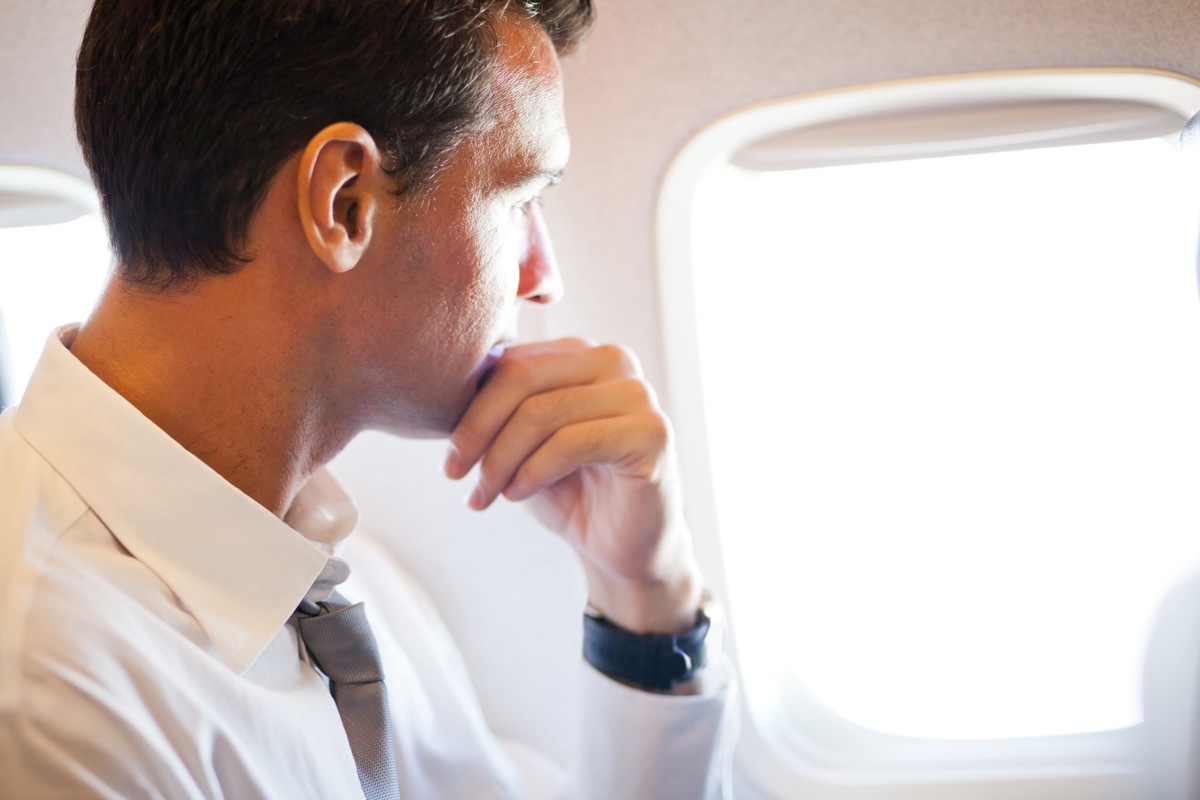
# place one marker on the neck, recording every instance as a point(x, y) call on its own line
point(229, 380)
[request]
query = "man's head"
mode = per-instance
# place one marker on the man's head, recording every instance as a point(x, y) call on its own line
point(415, 295)
point(185, 111)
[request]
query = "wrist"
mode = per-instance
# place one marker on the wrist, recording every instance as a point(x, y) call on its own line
point(654, 662)
point(662, 606)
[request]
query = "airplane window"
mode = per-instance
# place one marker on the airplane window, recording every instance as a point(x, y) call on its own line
point(951, 419)
point(931, 350)
point(49, 275)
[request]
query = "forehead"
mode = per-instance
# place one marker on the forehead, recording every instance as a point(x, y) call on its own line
point(525, 130)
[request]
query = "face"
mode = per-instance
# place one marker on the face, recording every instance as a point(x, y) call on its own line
point(448, 272)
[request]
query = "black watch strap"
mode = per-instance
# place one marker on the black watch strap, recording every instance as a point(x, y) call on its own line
point(653, 661)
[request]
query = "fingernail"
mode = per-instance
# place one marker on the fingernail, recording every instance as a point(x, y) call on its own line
point(453, 465)
point(475, 499)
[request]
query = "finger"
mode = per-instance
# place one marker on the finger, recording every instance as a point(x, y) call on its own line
point(540, 416)
point(566, 344)
point(523, 350)
point(632, 443)
point(520, 375)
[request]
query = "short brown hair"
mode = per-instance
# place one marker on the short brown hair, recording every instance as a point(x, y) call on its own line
point(186, 110)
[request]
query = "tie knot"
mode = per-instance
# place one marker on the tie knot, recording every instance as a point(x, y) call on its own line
point(340, 641)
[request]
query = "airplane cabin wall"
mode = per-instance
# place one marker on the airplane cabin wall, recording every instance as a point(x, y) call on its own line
point(38, 43)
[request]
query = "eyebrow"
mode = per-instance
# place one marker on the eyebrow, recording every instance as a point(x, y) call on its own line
point(549, 177)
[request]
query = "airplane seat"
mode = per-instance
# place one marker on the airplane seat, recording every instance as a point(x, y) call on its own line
point(1171, 674)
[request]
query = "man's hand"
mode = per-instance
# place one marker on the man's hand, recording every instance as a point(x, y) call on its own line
point(575, 429)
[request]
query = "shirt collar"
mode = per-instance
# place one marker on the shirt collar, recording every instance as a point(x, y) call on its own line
point(235, 566)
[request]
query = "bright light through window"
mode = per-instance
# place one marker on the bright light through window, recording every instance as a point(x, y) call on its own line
point(952, 411)
point(49, 275)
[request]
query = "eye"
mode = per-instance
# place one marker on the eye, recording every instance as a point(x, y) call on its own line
point(524, 208)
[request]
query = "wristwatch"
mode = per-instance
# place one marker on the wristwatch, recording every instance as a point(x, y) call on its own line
point(653, 661)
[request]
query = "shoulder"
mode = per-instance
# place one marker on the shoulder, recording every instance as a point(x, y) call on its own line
point(77, 610)
point(37, 509)
point(36, 503)
point(80, 612)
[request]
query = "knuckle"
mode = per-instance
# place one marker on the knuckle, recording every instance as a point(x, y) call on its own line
point(514, 370)
point(592, 439)
point(523, 482)
point(640, 392)
point(466, 435)
point(539, 410)
point(658, 429)
point(577, 439)
point(620, 358)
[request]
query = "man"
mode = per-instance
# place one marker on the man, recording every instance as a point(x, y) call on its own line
point(325, 219)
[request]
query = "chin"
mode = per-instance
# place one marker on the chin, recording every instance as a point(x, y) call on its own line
point(431, 419)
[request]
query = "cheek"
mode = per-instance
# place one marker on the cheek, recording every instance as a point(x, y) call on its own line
point(499, 274)
point(482, 310)
point(477, 297)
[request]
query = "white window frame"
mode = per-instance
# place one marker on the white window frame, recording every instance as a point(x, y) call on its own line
point(33, 195)
point(795, 747)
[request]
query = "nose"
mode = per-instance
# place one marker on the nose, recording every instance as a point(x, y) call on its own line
point(540, 281)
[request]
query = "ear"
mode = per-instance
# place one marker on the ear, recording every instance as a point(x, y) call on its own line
point(341, 188)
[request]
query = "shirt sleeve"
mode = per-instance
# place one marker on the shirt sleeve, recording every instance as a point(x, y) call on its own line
point(639, 744)
point(631, 744)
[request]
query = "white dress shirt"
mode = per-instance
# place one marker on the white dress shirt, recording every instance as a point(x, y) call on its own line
point(145, 650)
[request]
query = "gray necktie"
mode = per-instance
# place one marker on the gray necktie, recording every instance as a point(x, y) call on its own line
point(340, 643)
